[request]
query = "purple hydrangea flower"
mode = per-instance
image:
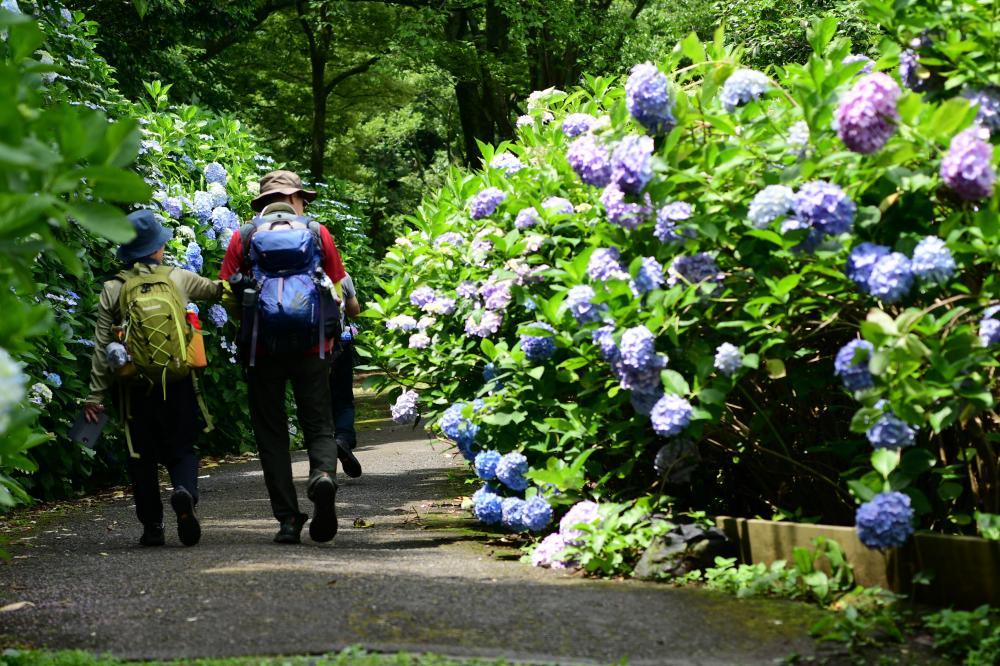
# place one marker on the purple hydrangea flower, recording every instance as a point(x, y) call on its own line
point(449, 238)
point(867, 116)
point(539, 347)
point(932, 262)
point(419, 341)
point(890, 432)
point(404, 410)
point(743, 86)
point(486, 464)
point(891, 277)
point(173, 207)
point(527, 217)
point(648, 278)
point(694, 269)
point(604, 265)
point(649, 98)
point(216, 173)
point(487, 507)
point(576, 124)
point(670, 415)
point(510, 470)
point(496, 294)
point(223, 218)
point(667, 218)
point(862, 259)
point(989, 327)
point(886, 521)
point(590, 160)
point(624, 213)
point(203, 206)
point(824, 207)
point(581, 513)
point(511, 517)
point(487, 324)
point(549, 553)
point(558, 205)
point(441, 305)
point(217, 315)
point(603, 337)
point(857, 57)
point(769, 204)
point(639, 365)
point(422, 295)
point(580, 301)
point(912, 72)
point(852, 367)
point(536, 514)
point(467, 289)
point(728, 359)
point(506, 162)
point(967, 168)
point(401, 323)
point(485, 203)
point(988, 101)
point(630, 163)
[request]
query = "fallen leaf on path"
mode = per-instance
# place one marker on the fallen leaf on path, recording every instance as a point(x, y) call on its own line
point(332, 582)
point(361, 522)
point(10, 608)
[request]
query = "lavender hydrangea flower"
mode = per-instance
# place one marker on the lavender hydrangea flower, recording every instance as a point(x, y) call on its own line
point(217, 315)
point(798, 134)
point(218, 193)
point(404, 410)
point(728, 359)
point(173, 207)
point(769, 204)
point(886, 521)
point(862, 259)
point(694, 269)
point(621, 212)
point(536, 514)
point(487, 324)
point(852, 367)
point(449, 238)
point(510, 471)
point(467, 289)
point(539, 347)
point(441, 305)
point(670, 415)
point(549, 553)
point(496, 294)
point(824, 207)
point(932, 262)
point(590, 160)
point(988, 101)
point(638, 364)
point(631, 163)
point(527, 217)
point(648, 278)
point(967, 168)
point(512, 509)
point(667, 218)
point(743, 86)
point(488, 508)
point(890, 432)
point(419, 341)
point(39, 394)
point(912, 72)
point(856, 58)
point(603, 337)
point(891, 277)
point(649, 98)
point(506, 162)
point(401, 323)
point(422, 295)
point(216, 173)
point(558, 205)
point(989, 327)
point(485, 203)
point(580, 302)
point(867, 116)
point(223, 218)
point(576, 124)
point(604, 265)
point(581, 513)
point(486, 464)
point(203, 206)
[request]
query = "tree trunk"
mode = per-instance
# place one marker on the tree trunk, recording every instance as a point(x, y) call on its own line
point(318, 154)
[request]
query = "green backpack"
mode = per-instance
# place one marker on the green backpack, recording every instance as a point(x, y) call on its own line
point(157, 332)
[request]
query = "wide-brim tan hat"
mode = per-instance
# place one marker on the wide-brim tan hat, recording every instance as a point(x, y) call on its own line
point(280, 182)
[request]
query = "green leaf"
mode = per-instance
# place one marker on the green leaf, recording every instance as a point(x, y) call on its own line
point(693, 48)
point(488, 348)
point(949, 490)
point(884, 461)
point(775, 368)
point(860, 490)
point(674, 382)
point(537, 372)
point(103, 220)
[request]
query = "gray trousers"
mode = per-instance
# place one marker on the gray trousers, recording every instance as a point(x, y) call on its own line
point(310, 379)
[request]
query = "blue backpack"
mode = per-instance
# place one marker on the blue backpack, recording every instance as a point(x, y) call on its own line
point(296, 308)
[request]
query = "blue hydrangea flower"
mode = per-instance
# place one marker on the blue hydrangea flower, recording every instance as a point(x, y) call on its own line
point(648, 278)
point(223, 218)
point(869, 64)
point(404, 410)
point(485, 203)
point(967, 168)
point(576, 124)
point(728, 358)
point(194, 259)
point(558, 205)
point(891, 277)
point(536, 514)
point(217, 315)
point(743, 86)
point(862, 260)
point(486, 464)
point(852, 367)
point(539, 347)
point(989, 327)
point(216, 173)
point(866, 117)
point(649, 98)
point(422, 295)
point(638, 364)
point(527, 217)
point(769, 204)
point(886, 521)
point(988, 101)
point(590, 160)
point(488, 508)
point(932, 262)
point(824, 207)
point(506, 162)
point(218, 193)
point(510, 471)
point(603, 337)
point(511, 514)
point(455, 426)
point(631, 165)
point(890, 432)
point(173, 207)
point(604, 265)
point(624, 213)
point(670, 415)
point(694, 269)
point(53, 378)
point(667, 218)
point(580, 302)
point(203, 206)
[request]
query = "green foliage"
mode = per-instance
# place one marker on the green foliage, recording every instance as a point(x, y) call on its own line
point(612, 546)
point(972, 636)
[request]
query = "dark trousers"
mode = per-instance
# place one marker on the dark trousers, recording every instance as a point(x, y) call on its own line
point(164, 431)
point(310, 379)
point(342, 396)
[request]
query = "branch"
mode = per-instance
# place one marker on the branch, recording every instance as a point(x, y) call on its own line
point(639, 6)
point(213, 49)
point(360, 68)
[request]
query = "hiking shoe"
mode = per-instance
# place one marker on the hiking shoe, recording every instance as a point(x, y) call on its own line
point(323, 493)
point(152, 535)
point(348, 462)
point(291, 529)
point(188, 527)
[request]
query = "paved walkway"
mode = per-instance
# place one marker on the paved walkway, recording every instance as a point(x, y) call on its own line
point(397, 577)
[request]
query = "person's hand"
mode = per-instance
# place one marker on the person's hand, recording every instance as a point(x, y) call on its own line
point(92, 410)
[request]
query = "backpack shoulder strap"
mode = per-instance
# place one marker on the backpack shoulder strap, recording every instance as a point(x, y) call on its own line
point(246, 235)
point(315, 228)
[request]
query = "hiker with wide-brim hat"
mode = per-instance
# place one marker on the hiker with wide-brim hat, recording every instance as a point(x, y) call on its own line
point(159, 413)
point(284, 183)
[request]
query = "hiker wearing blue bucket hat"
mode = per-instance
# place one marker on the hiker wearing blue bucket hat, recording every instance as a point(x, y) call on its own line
point(145, 348)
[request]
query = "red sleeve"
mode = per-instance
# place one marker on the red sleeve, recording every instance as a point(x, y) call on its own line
point(233, 260)
point(332, 263)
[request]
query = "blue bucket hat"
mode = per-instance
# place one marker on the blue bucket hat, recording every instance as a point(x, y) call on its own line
point(150, 236)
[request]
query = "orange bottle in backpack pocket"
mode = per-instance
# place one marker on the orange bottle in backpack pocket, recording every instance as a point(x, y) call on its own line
point(196, 348)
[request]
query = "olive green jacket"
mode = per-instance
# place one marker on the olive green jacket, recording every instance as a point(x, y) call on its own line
point(191, 286)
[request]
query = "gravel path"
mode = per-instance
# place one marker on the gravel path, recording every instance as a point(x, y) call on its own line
point(397, 577)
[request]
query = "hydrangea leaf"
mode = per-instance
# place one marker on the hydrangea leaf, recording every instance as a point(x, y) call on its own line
point(885, 461)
